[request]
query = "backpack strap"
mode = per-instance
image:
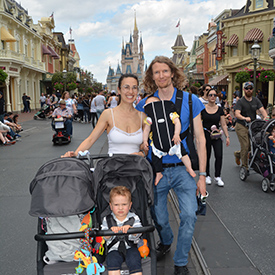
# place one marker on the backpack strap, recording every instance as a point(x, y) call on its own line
point(178, 104)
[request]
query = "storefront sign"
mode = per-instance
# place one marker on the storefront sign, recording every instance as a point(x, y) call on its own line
point(13, 69)
point(219, 46)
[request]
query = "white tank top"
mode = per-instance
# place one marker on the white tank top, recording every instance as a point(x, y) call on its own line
point(113, 102)
point(121, 142)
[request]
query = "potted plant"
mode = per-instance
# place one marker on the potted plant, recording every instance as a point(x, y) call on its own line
point(267, 76)
point(58, 86)
point(71, 86)
point(3, 76)
point(242, 77)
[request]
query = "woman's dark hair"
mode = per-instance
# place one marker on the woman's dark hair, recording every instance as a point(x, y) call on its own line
point(15, 117)
point(203, 87)
point(113, 94)
point(207, 93)
point(126, 76)
point(194, 90)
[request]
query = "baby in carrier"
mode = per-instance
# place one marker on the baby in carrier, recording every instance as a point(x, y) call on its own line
point(122, 248)
point(165, 123)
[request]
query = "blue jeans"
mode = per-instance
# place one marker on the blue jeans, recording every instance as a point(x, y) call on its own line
point(133, 260)
point(99, 112)
point(184, 185)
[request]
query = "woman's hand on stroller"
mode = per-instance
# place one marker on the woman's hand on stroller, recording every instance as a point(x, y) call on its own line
point(69, 154)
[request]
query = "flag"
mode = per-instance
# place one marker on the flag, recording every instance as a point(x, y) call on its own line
point(51, 15)
point(178, 23)
point(71, 30)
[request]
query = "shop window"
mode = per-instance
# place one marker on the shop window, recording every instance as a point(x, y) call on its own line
point(234, 51)
point(2, 45)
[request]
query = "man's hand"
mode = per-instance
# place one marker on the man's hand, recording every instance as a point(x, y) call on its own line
point(201, 186)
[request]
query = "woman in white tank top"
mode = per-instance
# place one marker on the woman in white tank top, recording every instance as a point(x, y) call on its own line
point(112, 101)
point(123, 123)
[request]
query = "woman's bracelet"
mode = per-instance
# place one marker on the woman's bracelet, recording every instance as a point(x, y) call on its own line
point(142, 151)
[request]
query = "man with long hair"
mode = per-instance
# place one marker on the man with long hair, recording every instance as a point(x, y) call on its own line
point(163, 79)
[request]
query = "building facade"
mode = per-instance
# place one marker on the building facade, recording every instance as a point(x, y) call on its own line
point(20, 56)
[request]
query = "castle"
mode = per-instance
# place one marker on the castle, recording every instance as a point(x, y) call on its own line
point(132, 60)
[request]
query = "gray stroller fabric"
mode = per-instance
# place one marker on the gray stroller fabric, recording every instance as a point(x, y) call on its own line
point(126, 169)
point(62, 187)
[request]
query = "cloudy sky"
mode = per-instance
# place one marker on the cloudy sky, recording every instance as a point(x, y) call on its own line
point(98, 27)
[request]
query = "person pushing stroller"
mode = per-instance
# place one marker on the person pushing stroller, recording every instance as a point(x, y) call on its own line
point(121, 219)
point(163, 118)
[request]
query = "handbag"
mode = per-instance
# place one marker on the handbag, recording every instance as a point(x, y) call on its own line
point(189, 133)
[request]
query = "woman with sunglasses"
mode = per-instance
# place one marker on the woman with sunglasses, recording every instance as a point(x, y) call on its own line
point(124, 124)
point(213, 117)
point(203, 97)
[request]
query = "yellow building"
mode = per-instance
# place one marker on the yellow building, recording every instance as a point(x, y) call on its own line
point(254, 22)
point(20, 56)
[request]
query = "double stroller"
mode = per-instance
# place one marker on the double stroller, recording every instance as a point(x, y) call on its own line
point(64, 190)
point(261, 160)
point(43, 112)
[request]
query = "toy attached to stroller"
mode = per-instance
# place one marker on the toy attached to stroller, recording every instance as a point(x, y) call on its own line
point(65, 189)
point(261, 159)
point(61, 136)
point(43, 113)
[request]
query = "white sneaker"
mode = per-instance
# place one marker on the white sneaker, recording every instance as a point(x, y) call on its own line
point(219, 181)
point(208, 180)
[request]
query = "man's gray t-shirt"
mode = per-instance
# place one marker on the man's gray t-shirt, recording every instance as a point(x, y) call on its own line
point(248, 108)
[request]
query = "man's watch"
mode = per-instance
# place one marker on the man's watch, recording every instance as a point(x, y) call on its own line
point(202, 174)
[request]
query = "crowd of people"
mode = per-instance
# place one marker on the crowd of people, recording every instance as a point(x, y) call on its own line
point(124, 116)
point(9, 129)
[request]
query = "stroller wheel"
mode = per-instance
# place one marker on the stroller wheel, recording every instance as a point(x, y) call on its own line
point(35, 117)
point(265, 184)
point(272, 186)
point(243, 173)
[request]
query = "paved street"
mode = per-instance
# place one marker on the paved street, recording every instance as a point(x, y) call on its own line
point(242, 209)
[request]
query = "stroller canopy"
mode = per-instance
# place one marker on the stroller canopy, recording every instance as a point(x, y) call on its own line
point(125, 170)
point(62, 187)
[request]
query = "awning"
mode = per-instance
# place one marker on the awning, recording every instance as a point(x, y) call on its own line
point(219, 80)
point(254, 34)
point(233, 41)
point(45, 50)
point(6, 36)
point(190, 65)
point(53, 53)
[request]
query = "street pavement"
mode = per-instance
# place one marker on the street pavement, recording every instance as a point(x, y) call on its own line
point(235, 237)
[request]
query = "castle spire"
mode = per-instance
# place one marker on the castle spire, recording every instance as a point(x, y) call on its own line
point(135, 24)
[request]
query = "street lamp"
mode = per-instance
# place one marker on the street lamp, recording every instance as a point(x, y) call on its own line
point(64, 74)
point(255, 54)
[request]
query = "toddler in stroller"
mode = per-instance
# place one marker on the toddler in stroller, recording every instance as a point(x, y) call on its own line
point(65, 189)
point(261, 157)
point(121, 219)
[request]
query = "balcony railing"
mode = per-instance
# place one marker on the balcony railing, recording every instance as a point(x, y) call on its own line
point(8, 54)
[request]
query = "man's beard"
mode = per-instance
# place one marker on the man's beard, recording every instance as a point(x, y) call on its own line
point(248, 94)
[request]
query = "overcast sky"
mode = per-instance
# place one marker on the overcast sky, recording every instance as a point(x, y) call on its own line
point(98, 27)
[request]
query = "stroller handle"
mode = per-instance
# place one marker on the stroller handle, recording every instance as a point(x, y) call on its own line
point(93, 233)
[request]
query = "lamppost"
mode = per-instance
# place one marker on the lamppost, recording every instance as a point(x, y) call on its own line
point(64, 74)
point(255, 54)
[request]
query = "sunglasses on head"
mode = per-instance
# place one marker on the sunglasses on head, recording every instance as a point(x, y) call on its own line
point(207, 90)
point(248, 88)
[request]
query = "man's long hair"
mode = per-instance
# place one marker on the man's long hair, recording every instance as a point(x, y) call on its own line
point(178, 79)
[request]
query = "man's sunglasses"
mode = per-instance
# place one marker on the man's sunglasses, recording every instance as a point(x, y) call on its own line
point(248, 88)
